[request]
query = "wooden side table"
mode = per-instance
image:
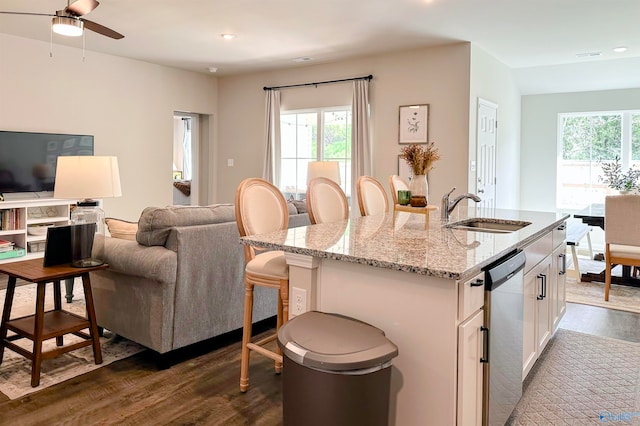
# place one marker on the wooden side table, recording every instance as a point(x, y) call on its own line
point(409, 209)
point(46, 325)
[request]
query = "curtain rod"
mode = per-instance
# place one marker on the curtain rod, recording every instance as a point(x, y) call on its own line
point(368, 77)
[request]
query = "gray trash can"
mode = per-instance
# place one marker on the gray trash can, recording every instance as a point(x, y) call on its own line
point(336, 371)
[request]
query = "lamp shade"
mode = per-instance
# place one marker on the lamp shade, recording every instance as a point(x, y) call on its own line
point(325, 169)
point(87, 177)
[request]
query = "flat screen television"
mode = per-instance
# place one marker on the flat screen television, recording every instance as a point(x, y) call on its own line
point(28, 160)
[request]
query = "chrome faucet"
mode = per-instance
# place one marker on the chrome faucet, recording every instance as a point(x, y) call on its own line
point(448, 206)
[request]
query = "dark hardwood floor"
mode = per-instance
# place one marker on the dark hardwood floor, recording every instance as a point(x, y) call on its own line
point(201, 386)
point(602, 322)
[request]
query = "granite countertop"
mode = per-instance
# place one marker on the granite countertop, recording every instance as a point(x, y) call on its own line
point(407, 246)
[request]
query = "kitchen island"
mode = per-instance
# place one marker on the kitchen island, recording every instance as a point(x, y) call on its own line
point(421, 287)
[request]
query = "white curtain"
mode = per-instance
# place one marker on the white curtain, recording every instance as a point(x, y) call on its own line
point(186, 149)
point(270, 171)
point(361, 157)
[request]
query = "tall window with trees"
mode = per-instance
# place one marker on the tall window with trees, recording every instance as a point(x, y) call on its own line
point(313, 135)
point(586, 140)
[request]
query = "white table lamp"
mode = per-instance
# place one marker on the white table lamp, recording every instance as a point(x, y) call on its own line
point(326, 169)
point(87, 179)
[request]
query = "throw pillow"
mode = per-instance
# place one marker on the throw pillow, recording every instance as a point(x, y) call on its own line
point(301, 205)
point(122, 229)
point(291, 208)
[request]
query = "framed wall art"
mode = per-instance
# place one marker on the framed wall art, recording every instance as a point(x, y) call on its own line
point(414, 124)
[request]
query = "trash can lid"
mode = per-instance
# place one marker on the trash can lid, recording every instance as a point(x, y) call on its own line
point(334, 342)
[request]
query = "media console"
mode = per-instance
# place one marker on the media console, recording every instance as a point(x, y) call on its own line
point(24, 223)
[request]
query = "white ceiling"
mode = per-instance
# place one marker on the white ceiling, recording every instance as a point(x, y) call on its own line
point(538, 38)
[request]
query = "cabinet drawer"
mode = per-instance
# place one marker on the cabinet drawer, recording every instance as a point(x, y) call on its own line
point(470, 296)
point(559, 234)
point(538, 250)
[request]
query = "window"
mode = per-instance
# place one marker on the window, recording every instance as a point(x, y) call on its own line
point(313, 135)
point(587, 139)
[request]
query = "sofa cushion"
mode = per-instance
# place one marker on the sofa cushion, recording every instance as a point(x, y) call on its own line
point(122, 228)
point(155, 223)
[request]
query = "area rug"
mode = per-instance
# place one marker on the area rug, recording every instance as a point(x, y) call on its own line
point(581, 379)
point(15, 370)
point(621, 297)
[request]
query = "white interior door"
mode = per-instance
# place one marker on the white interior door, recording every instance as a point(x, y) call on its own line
point(486, 139)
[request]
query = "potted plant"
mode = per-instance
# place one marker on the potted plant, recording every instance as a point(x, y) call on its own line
point(420, 158)
point(616, 178)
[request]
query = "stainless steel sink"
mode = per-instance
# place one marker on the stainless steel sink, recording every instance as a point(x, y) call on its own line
point(501, 226)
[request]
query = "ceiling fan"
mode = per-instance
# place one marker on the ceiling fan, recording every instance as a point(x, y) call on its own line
point(69, 21)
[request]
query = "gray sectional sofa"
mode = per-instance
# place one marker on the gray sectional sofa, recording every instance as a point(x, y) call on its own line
point(181, 281)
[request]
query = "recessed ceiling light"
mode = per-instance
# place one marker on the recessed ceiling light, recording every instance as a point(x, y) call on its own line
point(620, 49)
point(228, 36)
point(212, 69)
point(303, 59)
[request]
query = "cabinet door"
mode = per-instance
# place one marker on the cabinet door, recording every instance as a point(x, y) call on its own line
point(536, 315)
point(558, 273)
point(562, 286)
point(470, 370)
point(529, 353)
point(543, 304)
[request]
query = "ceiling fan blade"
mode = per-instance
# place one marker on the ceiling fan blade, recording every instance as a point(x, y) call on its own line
point(100, 29)
point(27, 13)
point(82, 7)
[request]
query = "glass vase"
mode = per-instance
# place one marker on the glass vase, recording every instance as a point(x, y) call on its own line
point(87, 235)
point(419, 188)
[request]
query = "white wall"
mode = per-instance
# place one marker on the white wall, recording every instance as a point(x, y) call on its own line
point(494, 81)
point(437, 76)
point(127, 105)
point(539, 150)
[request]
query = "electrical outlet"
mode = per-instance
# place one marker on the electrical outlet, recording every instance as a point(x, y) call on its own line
point(299, 301)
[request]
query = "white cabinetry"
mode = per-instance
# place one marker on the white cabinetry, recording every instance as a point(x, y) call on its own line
point(470, 371)
point(544, 294)
point(529, 324)
point(559, 276)
point(543, 306)
point(470, 350)
point(537, 328)
point(28, 215)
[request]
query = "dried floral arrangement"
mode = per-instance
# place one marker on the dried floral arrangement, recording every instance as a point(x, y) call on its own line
point(420, 157)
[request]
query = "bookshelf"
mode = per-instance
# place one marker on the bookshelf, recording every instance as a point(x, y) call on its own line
point(24, 222)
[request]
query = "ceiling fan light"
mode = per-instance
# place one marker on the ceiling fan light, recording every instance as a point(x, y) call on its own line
point(67, 26)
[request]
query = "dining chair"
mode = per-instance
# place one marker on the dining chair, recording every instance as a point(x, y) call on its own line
point(397, 183)
point(372, 198)
point(260, 208)
point(621, 234)
point(326, 201)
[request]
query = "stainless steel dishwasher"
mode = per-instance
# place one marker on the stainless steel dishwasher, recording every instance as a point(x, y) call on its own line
point(503, 328)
